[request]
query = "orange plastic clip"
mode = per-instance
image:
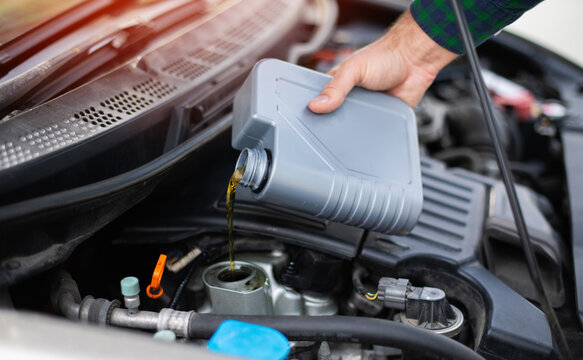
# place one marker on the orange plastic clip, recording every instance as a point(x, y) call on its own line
point(154, 290)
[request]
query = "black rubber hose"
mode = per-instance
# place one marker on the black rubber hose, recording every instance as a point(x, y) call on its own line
point(344, 329)
point(357, 274)
point(180, 289)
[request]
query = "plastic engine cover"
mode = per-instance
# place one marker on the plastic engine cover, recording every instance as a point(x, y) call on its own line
point(358, 165)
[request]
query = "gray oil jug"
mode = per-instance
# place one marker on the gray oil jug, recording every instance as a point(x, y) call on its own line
point(358, 165)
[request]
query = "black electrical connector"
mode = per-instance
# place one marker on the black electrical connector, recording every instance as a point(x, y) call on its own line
point(533, 267)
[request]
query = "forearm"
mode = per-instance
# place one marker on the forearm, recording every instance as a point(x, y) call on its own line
point(417, 48)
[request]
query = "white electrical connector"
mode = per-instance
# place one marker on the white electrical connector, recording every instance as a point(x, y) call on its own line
point(184, 261)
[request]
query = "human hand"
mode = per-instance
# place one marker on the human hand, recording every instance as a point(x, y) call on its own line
point(403, 63)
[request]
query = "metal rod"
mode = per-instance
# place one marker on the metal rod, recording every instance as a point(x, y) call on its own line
point(147, 320)
point(508, 180)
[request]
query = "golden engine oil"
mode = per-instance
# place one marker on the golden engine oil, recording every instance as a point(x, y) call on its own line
point(230, 205)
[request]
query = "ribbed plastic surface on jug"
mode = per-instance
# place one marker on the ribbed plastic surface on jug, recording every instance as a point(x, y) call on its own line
point(358, 165)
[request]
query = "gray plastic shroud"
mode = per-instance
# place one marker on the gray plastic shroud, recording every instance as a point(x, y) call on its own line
point(358, 165)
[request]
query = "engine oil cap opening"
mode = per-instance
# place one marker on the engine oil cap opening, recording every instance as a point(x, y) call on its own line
point(245, 278)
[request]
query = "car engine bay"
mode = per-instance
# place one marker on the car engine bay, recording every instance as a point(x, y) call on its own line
point(122, 165)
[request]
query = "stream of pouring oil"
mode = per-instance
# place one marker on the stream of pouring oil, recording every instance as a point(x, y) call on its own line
point(230, 204)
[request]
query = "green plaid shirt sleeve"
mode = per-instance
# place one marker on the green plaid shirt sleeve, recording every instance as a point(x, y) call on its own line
point(485, 18)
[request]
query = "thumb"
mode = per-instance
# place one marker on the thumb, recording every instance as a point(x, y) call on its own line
point(334, 93)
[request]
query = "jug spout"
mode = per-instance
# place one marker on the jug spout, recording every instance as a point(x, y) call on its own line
point(255, 163)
